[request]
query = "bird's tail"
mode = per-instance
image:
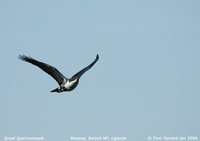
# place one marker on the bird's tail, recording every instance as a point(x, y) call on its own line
point(55, 90)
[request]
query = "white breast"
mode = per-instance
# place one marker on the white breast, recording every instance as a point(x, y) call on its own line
point(68, 84)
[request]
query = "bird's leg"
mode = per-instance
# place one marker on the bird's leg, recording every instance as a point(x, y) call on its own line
point(60, 89)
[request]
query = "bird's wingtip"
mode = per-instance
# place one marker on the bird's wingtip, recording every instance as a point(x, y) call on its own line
point(97, 56)
point(24, 57)
point(21, 56)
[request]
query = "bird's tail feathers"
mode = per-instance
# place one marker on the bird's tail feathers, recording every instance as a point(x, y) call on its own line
point(55, 90)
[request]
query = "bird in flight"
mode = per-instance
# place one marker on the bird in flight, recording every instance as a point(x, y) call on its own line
point(65, 84)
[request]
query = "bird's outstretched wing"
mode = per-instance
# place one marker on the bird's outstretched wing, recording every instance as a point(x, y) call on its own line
point(80, 73)
point(52, 71)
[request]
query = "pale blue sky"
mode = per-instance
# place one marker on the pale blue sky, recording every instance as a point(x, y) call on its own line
point(146, 83)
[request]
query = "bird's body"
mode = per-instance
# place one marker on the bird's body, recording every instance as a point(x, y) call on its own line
point(65, 84)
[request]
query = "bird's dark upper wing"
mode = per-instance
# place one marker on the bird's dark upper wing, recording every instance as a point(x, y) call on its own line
point(45, 67)
point(80, 73)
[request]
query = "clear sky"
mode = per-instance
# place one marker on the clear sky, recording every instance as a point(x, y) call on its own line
point(146, 82)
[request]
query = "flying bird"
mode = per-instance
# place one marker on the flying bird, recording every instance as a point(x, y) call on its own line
point(65, 84)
